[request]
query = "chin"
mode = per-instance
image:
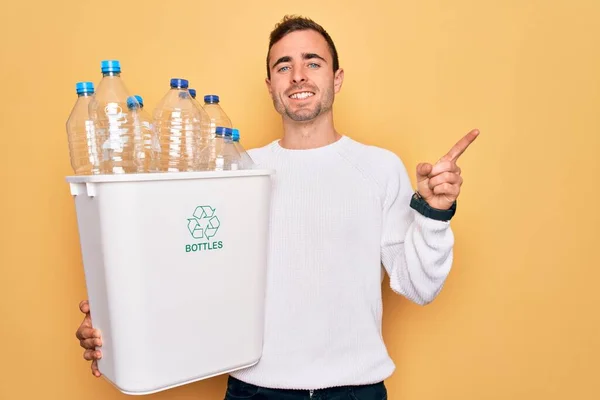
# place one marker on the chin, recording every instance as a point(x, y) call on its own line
point(303, 116)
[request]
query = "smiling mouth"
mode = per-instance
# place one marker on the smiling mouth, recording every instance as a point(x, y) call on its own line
point(301, 95)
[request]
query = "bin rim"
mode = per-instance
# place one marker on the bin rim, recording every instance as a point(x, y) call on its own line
point(167, 176)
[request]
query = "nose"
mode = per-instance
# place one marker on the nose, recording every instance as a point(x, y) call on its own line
point(298, 76)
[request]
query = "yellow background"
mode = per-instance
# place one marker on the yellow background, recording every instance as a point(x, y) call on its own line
point(518, 317)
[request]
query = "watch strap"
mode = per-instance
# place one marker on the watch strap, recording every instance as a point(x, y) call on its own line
point(419, 204)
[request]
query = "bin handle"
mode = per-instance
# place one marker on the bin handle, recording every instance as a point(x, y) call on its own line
point(91, 189)
point(83, 188)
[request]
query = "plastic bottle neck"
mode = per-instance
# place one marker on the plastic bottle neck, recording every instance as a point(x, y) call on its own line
point(112, 73)
point(86, 94)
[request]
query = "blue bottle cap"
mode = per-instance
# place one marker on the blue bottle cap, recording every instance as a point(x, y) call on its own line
point(211, 99)
point(235, 133)
point(220, 131)
point(111, 66)
point(84, 87)
point(133, 103)
point(179, 83)
point(228, 132)
point(139, 100)
point(192, 92)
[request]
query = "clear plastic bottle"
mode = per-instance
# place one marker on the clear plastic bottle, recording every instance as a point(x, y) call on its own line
point(218, 149)
point(217, 115)
point(246, 161)
point(145, 143)
point(113, 121)
point(177, 124)
point(205, 118)
point(228, 157)
point(83, 144)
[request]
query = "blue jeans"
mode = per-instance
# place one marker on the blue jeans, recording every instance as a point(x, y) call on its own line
point(237, 389)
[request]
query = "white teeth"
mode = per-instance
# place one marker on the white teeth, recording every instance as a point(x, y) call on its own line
point(301, 95)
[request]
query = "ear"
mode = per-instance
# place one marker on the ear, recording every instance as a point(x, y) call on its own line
point(268, 83)
point(338, 79)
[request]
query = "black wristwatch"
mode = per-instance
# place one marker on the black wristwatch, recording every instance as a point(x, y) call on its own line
point(418, 203)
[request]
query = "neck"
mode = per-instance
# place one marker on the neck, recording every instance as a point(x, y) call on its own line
point(303, 135)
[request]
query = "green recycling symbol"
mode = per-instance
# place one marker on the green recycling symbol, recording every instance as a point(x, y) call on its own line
point(205, 223)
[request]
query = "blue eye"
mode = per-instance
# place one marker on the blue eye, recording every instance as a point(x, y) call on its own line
point(282, 69)
point(314, 65)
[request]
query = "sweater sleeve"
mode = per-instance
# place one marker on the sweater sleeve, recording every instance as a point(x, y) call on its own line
point(416, 251)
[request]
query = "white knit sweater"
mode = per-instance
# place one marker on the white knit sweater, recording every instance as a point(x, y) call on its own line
point(338, 213)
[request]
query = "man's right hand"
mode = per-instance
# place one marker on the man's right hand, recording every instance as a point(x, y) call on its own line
point(89, 338)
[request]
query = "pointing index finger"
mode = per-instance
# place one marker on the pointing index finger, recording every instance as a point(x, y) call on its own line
point(462, 145)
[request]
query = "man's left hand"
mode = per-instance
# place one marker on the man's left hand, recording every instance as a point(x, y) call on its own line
point(440, 184)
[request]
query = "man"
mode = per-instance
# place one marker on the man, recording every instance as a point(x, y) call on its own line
point(340, 210)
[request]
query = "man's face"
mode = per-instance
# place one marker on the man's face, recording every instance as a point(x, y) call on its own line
point(302, 83)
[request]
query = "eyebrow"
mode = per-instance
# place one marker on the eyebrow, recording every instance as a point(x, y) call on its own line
point(282, 60)
point(305, 56)
point(310, 56)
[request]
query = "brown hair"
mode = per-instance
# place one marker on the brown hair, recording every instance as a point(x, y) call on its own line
point(292, 23)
